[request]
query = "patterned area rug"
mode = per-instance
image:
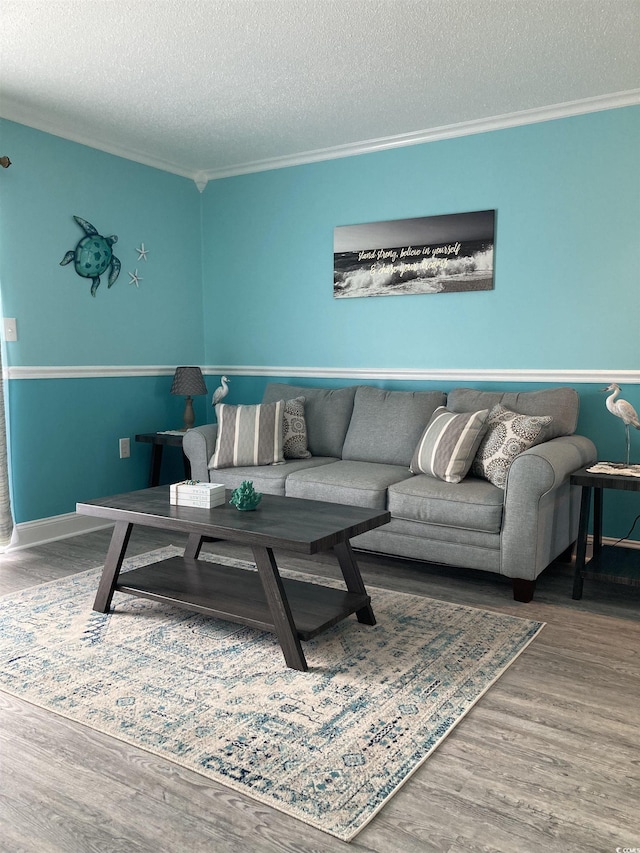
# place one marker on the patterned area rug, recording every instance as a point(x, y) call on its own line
point(328, 747)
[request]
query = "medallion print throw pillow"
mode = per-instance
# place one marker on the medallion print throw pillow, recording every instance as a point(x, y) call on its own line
point(295, 430)
point(448, 444)
point(248, 435)
point(508, 434)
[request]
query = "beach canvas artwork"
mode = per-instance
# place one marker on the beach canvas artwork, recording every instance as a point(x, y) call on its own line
point(429, 254)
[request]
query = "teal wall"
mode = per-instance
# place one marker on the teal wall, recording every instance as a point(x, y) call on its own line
point(64, 439)
point(64, 432)
point(242, 275)
point(567, 256)
point(59, 323)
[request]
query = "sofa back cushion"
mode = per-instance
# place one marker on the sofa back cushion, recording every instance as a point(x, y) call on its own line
point(563, 404)
point(327, 413)
point(386, 425)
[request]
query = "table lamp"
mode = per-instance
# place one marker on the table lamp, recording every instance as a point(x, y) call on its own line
point(188, 381)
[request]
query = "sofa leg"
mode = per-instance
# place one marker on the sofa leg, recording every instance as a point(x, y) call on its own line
point(523, 590)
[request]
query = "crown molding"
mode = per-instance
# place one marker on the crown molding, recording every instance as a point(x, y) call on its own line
point(32, 118)
point(13, 111)
point(435, 134)
point(364, 374)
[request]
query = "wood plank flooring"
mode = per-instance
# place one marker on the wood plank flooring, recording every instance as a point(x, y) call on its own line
point(548, 760)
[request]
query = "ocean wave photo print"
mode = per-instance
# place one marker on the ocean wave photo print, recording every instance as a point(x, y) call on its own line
point(430, 254)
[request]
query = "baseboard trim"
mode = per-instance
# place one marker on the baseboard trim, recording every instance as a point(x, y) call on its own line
point(29, 534)
point(624, 543)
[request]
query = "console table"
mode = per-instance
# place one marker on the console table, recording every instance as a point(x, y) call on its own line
point(158, 441)
point(608, 563)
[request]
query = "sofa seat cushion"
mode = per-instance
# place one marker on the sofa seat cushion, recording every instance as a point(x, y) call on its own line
point(473, 504)
point(386, 425)
point(269, 479)
point(346, 482)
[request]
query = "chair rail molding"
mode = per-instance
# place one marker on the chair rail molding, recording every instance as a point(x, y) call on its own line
point(426, 374)
point(433, 374)
point(88, 371)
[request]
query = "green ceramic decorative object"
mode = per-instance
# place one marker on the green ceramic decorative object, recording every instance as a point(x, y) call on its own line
point(245, 497)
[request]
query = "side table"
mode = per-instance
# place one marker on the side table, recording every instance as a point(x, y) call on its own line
point(159, 440)
point(608, 563)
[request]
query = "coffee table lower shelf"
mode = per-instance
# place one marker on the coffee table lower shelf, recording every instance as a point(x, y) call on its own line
point(236, 594)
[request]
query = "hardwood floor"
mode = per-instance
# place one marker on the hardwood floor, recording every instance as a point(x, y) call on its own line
point(548, 760)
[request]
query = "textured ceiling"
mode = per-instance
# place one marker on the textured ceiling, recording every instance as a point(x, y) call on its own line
point(211, 87)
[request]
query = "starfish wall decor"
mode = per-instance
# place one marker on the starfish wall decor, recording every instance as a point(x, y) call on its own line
point(135, 278)
point(142, 256)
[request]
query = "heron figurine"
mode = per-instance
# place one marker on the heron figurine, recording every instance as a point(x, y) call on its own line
point(623, 410)
point(221, 391)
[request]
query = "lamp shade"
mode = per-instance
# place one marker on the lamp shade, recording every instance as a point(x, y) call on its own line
point(188, 381)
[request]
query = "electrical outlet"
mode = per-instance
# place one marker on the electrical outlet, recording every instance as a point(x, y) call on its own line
point(125, 448)
point(10, 329)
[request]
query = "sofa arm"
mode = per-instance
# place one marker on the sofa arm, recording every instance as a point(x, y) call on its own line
point(549, 464)
point(198, 445)
point(540, 507)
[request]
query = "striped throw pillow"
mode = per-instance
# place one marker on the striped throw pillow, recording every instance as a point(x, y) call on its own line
point(248, 435)
point(448, 444)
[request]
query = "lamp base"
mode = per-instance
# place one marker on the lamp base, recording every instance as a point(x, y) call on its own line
point(188, 418)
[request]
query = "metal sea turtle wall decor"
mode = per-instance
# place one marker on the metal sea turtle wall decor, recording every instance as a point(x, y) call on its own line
point(93, 255)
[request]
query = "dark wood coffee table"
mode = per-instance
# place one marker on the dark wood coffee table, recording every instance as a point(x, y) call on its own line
point(294, 610)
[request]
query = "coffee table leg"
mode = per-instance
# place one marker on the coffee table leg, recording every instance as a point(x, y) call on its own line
point(353, 579)
point(279, 606)
point(112, 566)
point(192, 549)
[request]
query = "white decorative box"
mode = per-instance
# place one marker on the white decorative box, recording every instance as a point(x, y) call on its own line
point(195, 493)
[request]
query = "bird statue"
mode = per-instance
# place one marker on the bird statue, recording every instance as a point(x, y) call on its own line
point(623, 410)
point(221, 391)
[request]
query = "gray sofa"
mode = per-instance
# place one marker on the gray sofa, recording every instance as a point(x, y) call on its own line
point(361, 441)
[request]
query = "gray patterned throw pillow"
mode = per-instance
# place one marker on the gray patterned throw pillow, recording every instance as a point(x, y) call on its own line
point(295, 430)
point(508, 434)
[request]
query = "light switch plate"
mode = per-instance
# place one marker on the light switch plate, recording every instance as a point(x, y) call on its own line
point(10, 329)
